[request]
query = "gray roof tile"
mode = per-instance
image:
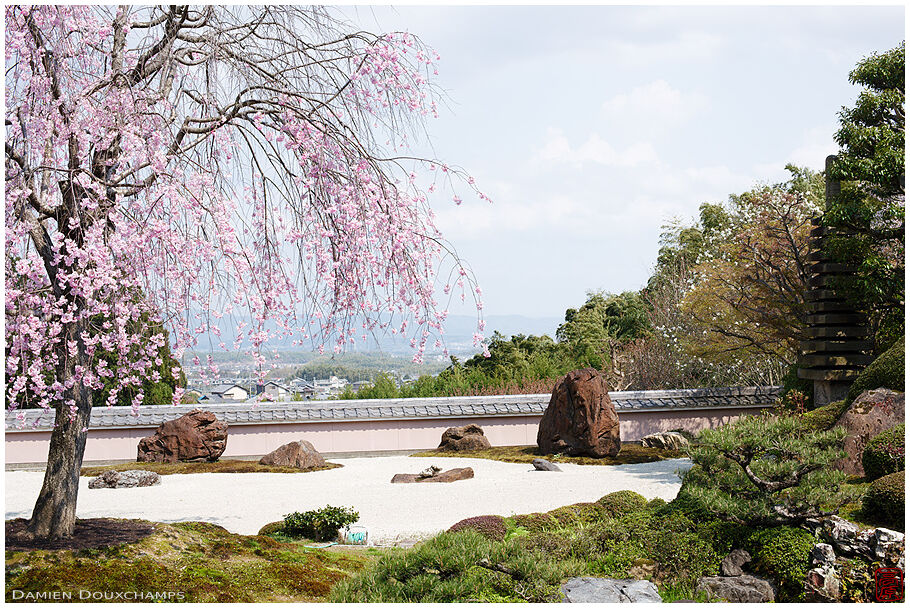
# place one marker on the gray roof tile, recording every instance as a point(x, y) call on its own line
point(241, 413)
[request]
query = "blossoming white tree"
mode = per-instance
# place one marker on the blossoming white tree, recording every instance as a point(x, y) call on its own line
point(176, 165)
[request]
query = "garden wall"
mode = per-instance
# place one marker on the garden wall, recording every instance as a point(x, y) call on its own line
point(383, 424)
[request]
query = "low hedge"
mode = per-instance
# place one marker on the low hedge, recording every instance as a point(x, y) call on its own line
point(884, 454)
point(884, 500)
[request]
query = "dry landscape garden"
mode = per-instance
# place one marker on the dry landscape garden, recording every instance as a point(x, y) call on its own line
point(171, 170)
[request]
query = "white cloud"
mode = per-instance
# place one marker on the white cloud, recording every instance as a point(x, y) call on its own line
point(656, 105)
point(688, 46)
point(595, 149)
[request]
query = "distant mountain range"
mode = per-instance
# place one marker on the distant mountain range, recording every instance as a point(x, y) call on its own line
point(459, 332)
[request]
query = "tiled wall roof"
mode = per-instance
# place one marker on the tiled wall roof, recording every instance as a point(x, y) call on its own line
point(373, 409)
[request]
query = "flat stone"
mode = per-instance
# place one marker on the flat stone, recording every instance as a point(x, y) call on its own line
point(544, 465)
point(592, 590)
point(444, 477)
point(125, 479)
point(741, 589)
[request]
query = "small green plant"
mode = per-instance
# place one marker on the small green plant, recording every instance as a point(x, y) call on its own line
point(319, 524)
point(884, 454)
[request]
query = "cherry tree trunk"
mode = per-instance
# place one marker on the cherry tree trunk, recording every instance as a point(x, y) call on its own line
point(54, 515)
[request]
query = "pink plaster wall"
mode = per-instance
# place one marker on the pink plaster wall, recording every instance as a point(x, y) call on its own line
point(363, 436)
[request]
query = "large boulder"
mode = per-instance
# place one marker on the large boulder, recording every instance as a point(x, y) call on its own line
point(463, 439)
point(739, 589)
point(194, 437)
point(871, 413)
point(437, 477)
point(298, 454)
point(580, 419)
point(591, 590)
point(125, 479)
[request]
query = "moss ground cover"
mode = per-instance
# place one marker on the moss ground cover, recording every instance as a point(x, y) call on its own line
point(631, 453)
point(203, 562)
point(219, 466)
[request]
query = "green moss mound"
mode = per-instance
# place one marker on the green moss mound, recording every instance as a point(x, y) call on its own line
point(884, 454)
point(271, 528)
point(887, 371)
point(782, 553)
point(824, 418)
point(624, 501)
point(884, 501)
point(184, 562)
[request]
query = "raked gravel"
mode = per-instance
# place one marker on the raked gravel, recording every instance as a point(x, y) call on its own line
point(393, 513)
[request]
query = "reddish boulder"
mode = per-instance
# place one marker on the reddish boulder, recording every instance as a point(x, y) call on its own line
point(580, 419)
point(871, 413)
point(194, 437)
point(464, 438)
point(300, 454)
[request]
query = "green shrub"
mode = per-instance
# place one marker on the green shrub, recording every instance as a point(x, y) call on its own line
point(884, 454)
point(491, 526)
point(782, 554)
point(790, 478)
point(320, 524)
point(884, 501)
point(624, 501)
point(534, 522)
point(462, 567)
point(887, 371)
point(724, 536)
point(578, 514)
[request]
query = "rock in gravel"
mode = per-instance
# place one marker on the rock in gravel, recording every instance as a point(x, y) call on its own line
point(580, 419)
point(464, 438)
point(194, 437)
point(740, 589)
point(125, 479)
point(732, 565)
point(668, 440)
point(444, 477)
point(592, 590)
point(299, 454)
point(544, 465)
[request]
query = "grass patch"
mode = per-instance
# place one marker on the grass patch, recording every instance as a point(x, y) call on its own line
point(219, 466)
point(631, 453)
point(194, 561)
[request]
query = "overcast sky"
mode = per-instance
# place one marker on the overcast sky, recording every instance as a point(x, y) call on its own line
point(590, 127)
